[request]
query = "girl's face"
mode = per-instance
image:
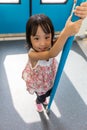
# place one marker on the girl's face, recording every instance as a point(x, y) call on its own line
point(41, 41)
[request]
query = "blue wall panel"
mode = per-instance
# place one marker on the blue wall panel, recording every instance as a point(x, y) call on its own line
point(57, 12)
point(13, 17)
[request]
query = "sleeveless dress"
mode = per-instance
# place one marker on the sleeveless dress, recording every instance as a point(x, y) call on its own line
point(40, 78)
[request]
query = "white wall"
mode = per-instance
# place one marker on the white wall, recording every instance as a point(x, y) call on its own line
point(83, 28)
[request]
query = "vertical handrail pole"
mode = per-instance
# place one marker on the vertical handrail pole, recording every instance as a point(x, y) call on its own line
point(63, 59)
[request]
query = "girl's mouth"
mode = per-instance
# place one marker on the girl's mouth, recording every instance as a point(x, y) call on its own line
point(42, 49)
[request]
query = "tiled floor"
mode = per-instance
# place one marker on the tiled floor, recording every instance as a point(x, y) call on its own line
point(17, 107)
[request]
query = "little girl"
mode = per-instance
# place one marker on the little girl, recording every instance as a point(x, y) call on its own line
point(40, 71)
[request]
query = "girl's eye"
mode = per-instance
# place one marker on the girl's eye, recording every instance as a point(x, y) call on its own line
point(36, 38)
point(47, 37)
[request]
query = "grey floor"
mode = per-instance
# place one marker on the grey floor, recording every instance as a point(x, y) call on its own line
point(17, 107)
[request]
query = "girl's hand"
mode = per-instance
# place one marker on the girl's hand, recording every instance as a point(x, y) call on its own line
point(71, 28)
point(81, 11)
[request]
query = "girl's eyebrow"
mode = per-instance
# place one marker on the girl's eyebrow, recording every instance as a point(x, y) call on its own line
point(48, 34)
point(36, 35)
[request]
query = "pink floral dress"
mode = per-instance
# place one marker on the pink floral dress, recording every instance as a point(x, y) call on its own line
point(40, 78)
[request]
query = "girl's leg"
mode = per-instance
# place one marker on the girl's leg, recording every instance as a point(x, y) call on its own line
point(39, 101)
point(42, 100)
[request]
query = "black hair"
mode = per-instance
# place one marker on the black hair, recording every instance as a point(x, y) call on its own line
point(32, 26)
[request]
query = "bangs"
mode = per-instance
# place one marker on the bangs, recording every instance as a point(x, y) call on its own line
point(34, 29)
point(45, 27)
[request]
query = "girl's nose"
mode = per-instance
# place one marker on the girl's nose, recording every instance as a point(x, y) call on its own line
point(42, 43)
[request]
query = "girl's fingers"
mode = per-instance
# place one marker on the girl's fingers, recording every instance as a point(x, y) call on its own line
point(81, 11)
point(84, 4)
point(81, 14)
